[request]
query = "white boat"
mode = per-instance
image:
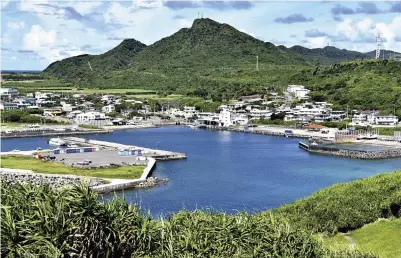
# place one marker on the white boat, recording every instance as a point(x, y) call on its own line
point(57, 142)
point(193, 126)
point(367, 137)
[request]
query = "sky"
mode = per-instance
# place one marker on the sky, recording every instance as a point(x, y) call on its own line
point(37, 33)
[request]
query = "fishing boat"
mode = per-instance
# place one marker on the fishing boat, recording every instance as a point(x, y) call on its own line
point(367, 137)
point(57, 142)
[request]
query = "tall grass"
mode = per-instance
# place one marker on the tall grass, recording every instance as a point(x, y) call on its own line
point(45, 222)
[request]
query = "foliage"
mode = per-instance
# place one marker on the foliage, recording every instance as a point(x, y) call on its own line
point(381, 237)
point(89, 126)
point(348, 206)
point(24, 116)
point(73, 222)
point(50, 167)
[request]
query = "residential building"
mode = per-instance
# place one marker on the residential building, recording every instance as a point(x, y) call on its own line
point(109, 109)
point(8, 106)
point(298, 91)
point(89, 116)
point(225, 117)
point(8, 93)
point(376, 119)
point(108, 98)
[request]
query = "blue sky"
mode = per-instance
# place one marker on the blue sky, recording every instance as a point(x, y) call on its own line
point(36, 33)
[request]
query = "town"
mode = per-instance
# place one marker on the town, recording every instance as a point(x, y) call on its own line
point(114, 111)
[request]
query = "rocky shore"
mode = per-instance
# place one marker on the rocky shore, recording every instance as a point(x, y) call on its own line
point(53, 180)
point(152, 181)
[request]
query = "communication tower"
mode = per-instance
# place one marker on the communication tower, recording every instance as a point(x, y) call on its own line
point(378, 46)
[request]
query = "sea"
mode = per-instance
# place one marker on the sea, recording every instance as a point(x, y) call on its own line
point(228, 171)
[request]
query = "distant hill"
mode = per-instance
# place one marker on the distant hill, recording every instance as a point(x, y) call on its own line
point(77, 67)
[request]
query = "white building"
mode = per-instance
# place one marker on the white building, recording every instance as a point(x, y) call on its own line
point(109, 109)
point(189, 111)
point(376, 119)
point(225, 117)
point(108, 98)
point(89, 116)
point(8, 93)
point(8, 106)
point(298, 91)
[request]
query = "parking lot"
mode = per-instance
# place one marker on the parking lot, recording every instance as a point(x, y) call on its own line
point(103, 158)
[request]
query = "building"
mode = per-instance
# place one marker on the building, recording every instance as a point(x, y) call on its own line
point(298, 91)
point(8, 106)
point(108, 98)
point(189, 112)
point(93, 117)
point(8, 93)
point(109, 109)
point(251, 98)
point(376, 119)
point(225, 118)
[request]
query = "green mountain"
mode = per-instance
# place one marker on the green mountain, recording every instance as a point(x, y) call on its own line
point(78, 67)
point(369, 84)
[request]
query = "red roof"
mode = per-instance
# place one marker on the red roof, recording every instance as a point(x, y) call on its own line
point(316, 126)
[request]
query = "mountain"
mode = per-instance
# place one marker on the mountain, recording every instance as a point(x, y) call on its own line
point(78, 67)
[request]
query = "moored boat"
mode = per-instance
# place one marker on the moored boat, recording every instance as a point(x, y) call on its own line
point(57, 142)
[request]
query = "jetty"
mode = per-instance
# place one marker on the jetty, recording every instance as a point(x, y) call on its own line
point(43, 133)
point(156, 154)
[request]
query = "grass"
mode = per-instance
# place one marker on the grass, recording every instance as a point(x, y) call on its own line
point(39, 166)
point(381, 237)
point(11, 124)
point(100, 91)
point(89, 127)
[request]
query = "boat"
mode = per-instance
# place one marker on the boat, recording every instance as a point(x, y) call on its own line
point(192, 126)
point(57, 142)
point(315, 143)
point(59, 129)
point(367, 137)
point(16, 150)
point(38, 148)
point(73, 146)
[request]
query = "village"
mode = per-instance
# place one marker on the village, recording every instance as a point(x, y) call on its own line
point(116, 111)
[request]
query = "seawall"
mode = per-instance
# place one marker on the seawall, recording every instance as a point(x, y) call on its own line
point(13, 176)
point(51, 133)
point(117, 185)
point(352, 154)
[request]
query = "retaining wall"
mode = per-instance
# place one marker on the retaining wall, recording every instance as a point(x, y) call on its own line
point(53, 180)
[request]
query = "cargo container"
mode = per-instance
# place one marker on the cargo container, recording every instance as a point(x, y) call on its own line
point(57, 152)
point(88, 149)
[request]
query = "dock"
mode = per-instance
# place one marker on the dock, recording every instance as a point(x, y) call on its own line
point(156, 154)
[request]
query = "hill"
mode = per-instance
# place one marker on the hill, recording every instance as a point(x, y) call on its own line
point(369, 84)
point(76, 68)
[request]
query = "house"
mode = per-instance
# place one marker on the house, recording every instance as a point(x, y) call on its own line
point(108, 98)
point(8, 106)
point(90, 116)
point(8, 93)
point(298, 91)
point(251, 98)
point(189, 111)
point(225, 118)
point(376, 119)
point(109, 109)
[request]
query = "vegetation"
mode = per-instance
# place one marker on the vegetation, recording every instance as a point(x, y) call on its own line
point(89, 127)
point(344, 207)
point(381, 237)
point(216, 62)
point(25, 116)
point(44, 222)
point(49, 167)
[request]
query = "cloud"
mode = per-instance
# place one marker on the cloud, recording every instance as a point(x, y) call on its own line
point(293, 36)
point(293, 18)
point(395, 7)
point(314, 33)
point(24, 51)
point(368, 8)
point(339, 9)
point(338, 19)
point(5, 49)
point(177, 17)
point(86, 47)
point(218, 5)
point(38, 38)
point(180, 4)
point(115, 38)
point(16, 25)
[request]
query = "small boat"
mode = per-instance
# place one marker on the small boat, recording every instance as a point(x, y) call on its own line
point(73, 146)
point(192, 126)
point(38, 148)
point(367, 137)
point(16, 150)
point(315, 144)
point(57, 142)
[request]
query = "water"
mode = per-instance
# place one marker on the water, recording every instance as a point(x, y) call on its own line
point(230, 171)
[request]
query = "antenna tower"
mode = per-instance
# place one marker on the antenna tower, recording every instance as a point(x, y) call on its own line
point(378, 46)
point(90, 67)
point(257, 63)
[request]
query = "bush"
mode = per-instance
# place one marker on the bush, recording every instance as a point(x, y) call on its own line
point(72, 222)
point(348, 206)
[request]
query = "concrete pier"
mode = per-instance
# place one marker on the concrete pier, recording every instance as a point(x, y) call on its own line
point(157, 154)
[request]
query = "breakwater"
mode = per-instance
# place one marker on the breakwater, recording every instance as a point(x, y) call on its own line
point(23, 134)
point(352, 154)
point(52, 180)
point(258, 131)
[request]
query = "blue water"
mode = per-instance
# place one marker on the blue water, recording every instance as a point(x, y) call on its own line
point(230, 171)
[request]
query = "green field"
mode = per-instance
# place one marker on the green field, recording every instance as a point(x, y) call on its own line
point(39, 166)
point(382, 237)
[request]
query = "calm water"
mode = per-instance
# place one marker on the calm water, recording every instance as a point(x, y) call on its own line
point(230, 171)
